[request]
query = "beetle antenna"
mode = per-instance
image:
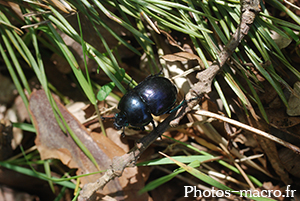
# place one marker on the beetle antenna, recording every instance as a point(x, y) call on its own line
point(195, 98)
point(104, 118)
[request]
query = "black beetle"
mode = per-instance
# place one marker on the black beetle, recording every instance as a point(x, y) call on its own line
point(155, 95)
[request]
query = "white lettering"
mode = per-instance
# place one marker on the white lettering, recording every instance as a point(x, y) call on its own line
point(187, 192)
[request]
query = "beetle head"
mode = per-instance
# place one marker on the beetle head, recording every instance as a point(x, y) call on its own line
point(120, 121)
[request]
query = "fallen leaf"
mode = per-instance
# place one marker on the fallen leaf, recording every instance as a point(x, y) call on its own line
point(183, 56)
point(52, 142)
point(290, 161)
point(270, 150)
point(280, 119)
point(171, 40)
point(280, 40)
point(294, 101)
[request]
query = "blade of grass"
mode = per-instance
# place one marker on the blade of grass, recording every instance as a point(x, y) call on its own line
point(207, 179)
point(223, 36)
point(234, 86)
point(257, 99)
point(158, 182)
point(225, 164)
point(281, 22)
point(14, 58)
point(101, 60)
point(124, 24)
point(282, 8)
point(61, 194)
point(258, 66)
point(14, 76)
point(223, 98)
point(48, 173)
point(31, 173)
point(286, 63)
point(182, 159)
point(24, 126)
point(269, 42)
point(74, 65)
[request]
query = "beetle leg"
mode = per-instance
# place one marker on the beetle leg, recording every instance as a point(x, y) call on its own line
point(154, 128)
point(184, 102)
point(123, 133)
point(152, 122)
point(178, 106)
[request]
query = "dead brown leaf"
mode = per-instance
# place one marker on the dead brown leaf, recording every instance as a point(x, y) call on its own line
point(280, 119)
point(183, 56)
point(290, 161)
point(270, 150)
point(52, 142)
point(171, 40)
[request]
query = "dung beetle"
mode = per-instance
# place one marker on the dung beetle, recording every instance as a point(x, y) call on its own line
point(155, 95)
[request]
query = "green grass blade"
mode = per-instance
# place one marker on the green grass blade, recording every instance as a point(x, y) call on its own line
point(223, 98)
point(258, 66)
point(14, 58)
point(182, 159)
point(209, 180)
point(223, 163)
point(257, 99)
point(158, 182)
point(48, 173)
point(60, 196)
point(282, 8)
point(281, 22)
point(14, 77)
point(235, 87)
point(31, 173)
point(74, 65)
point(24, 126)
point(121, 22)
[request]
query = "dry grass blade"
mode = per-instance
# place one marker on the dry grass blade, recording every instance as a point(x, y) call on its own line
point(249, 128)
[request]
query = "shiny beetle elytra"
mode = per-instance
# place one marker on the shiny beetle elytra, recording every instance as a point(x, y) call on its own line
point(155, 95)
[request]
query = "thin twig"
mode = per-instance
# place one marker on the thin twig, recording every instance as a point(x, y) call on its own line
point(249, 10)
point(128, 159)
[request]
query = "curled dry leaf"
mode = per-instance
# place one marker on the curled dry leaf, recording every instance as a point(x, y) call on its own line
point(280, 40)
point(290, 161)
point(183, 56)
point(294, 101)
point(280, 119)
point(270, 150)
point(52, 142)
